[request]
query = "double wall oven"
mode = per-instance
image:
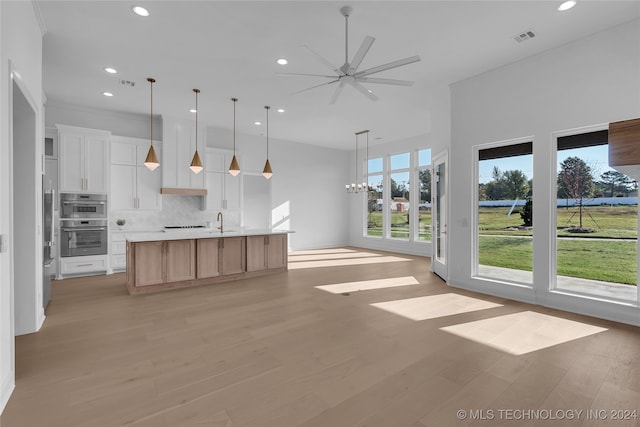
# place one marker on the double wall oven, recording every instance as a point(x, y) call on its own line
point(83, 224)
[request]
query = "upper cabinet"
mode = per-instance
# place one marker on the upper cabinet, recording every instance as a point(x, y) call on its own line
point(133, 185)
point(224, 191)
point(624, 146)
point(179, 145)
point(83, 160)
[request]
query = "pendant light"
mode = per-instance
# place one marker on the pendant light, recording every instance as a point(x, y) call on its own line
point(357, 188)
point(196, 164)
point(151, 162)
point(234, 168)
point(267, 172)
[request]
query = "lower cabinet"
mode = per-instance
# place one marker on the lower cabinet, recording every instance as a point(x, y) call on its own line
point(208, 264)
point(82, 265)
point(161, 262)
point(157, 265)
point(266, 252)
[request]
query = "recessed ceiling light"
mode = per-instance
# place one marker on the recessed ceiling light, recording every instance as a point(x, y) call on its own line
point(140, 11)
point(280, 110)
point(257, 123)
point(193, 110)
point(107, 94)
point(567, 5)
point(282, 61)
point(111, 70)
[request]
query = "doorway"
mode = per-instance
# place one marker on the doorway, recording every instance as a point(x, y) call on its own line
point(440, 185)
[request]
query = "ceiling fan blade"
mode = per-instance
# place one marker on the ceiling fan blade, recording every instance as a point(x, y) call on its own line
point(364, 90)
point(313, 87)
point(304, 74)
point(324, 61)
point(337, 92)
point(360, 54)
point(388, 66)
point(386, 81)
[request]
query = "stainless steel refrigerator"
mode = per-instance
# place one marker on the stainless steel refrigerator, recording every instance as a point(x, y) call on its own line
point(48, 269)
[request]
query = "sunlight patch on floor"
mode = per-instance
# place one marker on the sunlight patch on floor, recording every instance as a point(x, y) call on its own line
point(345, 262)
point(320, 257)
point(433, 306)
point(322, 251)
point(524, 332)
point(365, 285)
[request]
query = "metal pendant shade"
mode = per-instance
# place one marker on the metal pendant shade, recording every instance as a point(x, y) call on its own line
point(151, 161)
point(196, 163)
point(234, 167)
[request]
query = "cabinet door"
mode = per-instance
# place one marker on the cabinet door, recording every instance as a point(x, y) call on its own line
point(208, 258)
point(277, 251)
point(148, 261)
point(256, 253)
point(215, 182)
point(123, 153)
point(96, 161)
point(123, 184)
point(233, 255)
point(232, 191)
point(180, 260)
point(148, 188)
point(71, 162)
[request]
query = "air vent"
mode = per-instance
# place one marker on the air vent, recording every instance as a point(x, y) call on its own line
point(127, 83)
point(523, 36)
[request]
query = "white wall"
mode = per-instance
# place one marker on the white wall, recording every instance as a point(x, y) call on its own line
point(592, 81)
point(307, 187)
point(20, 53)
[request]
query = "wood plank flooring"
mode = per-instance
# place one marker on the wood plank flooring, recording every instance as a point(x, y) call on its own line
point(276, 351)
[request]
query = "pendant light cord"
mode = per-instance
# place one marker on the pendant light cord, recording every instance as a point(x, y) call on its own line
point(151, 81)
point(266, 107)
point(234, 124)
point(196, 91)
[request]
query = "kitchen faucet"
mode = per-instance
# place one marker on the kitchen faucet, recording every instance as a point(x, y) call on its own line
point(221, 219)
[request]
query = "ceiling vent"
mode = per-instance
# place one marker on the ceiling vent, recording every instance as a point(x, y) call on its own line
point(127, 83)
point(523, 36)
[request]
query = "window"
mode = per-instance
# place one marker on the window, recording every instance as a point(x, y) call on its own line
point(596, 220)
point(389, 212)
point(399, 206)
point(423, 174)
point(505, 213)
point(375, 197)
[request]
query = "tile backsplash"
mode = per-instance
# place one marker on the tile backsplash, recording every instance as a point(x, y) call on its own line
point(176, 210)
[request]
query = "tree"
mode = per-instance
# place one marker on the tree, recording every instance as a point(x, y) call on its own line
point(615, 181)
point(526, 214)
point(575, 181)
point(515, 184)
point(425, 185)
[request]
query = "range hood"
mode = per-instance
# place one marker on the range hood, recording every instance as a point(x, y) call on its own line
point(624, 147)
point(184, 191)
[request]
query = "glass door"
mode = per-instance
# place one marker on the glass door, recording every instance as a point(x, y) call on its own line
point(439, 211)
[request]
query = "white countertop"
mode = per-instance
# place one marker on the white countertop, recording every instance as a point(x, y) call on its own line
point(198, 233)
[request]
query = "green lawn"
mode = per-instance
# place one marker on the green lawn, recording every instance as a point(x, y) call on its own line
point(400, 227)
point(585, 255)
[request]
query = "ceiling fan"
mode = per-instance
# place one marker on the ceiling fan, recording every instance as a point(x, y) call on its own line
point(348, 73)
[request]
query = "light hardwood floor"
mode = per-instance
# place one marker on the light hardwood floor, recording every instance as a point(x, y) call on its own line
point(276, 351)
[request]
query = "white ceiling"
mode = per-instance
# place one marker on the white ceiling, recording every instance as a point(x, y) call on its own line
point(228, 49)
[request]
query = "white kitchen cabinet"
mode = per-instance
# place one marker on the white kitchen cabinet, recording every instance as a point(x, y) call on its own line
point(179, 144)
point(83, 160)
point(133, 185)
point(224, 191)
point(82, 265)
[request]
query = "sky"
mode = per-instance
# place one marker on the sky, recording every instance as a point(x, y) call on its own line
point(595, 157)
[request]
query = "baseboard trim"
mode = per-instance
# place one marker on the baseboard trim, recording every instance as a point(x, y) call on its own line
point(8, 385)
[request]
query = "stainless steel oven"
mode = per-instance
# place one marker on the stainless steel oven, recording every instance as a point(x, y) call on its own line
point(80, 237)
point(83, 205)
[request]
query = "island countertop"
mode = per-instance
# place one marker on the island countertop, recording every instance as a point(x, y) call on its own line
point(206, 233)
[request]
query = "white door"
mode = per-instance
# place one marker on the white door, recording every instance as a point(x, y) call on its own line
point(440, 185)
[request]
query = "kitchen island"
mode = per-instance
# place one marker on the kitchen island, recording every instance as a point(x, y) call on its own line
point(178, 259)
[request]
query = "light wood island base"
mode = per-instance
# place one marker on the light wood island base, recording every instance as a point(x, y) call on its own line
point(158, 265)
